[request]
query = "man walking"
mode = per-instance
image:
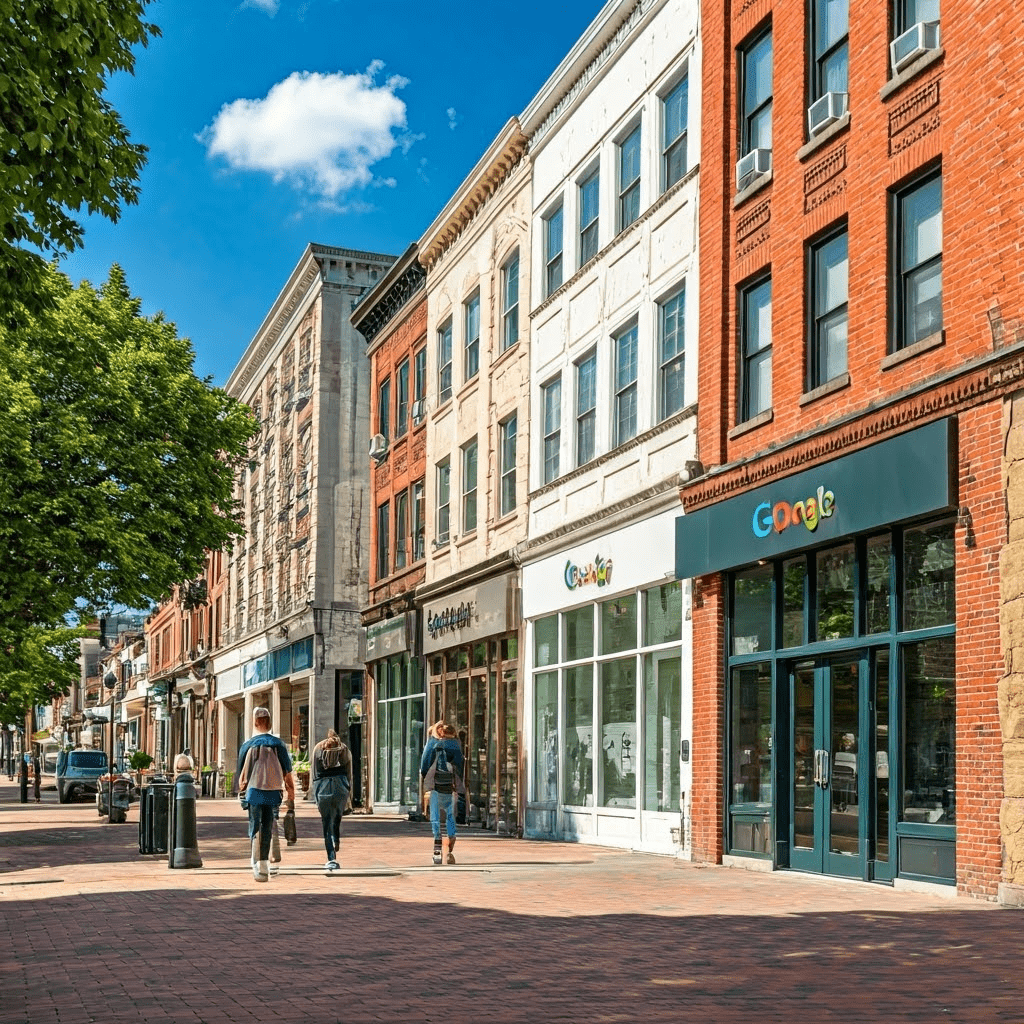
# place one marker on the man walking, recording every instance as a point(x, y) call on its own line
point(264, 769)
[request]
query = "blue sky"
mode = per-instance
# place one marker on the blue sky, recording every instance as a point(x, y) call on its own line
point(273, 123)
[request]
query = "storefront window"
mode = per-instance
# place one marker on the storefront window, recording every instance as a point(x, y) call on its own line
point(618, 624)
point(579, 633)
point(752, 611)
point(545, 769)
point(835, 579)
point(663, 681)
point(794, 600)
point(929, 577)
point(929, 741)
point(579, 736)
point(879, 583)
point(663, 614)
point(545, 641)
point(400, 731)
point(750, 747)
point(618, 733)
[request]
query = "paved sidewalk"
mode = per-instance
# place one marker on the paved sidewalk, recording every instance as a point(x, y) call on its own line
point(517, 931)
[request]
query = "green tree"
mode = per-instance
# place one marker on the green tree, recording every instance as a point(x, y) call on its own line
point(45, 667)
point(117, 463)
point(63, 147)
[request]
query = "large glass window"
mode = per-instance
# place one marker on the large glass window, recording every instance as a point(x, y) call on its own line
point(551, 403)
point(629, 178)
point(510, 302)
point(929, 741)
point(910, 12)
point(673, 142)
point(545, 641)
point(663, 703)
point(618, 733)
point(625, 416)
point(830, 59)
point(444, 362)
point(878, 605)
point(579, 736)
point(553, 246)
point(545, 736)
point(794, 601)
point(671, 340)
point(589, 192)
point(401, 705)
point(663, 614)
point(828, 279)
point(419, 377)
point(402, 398)
point(401, 528)
point(917, 262)
point(444, 477)
point(579, 633)
point(836, 579)
point(383, 548)
point(618, 624)
point(756, 349)
point(586, 409)
point(419, 523)
point(756, 94)
point(929, 577)
point(750, 725)
point(752, 611)
point(384, 409)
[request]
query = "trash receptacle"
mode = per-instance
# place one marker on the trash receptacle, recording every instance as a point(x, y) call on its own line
point(155, 817)
point(208, 781)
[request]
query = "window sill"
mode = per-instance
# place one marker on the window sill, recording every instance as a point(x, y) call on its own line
point(936, 340)
point(504, 520)
point(468, 387)
point(895, 84)
point(824, 138)
point(828, 388)
point(755, 186)
point(465, 538)
point(507, 354)
point(752, 424)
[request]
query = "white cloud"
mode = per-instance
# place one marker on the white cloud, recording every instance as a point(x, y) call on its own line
point(269, 6)
point(453, 119)
point(320, 132)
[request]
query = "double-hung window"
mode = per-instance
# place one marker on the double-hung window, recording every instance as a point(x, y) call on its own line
point(910, 12)
point(419, 523)
point(507, 465)
point(469, 461)
point(756, 94)
point(444, 482)
point(625, 385)
point(917, 259)
point(401, 398)
point(383, 553)
point(586, 409)
point(589, 190)
point(756, 348)
point(419, 384)
point(471, 360)
point(629, 178)
point(830, 38)
point(553, 247)
point(510, 302)
point(674, 113)
point(827, 277)
point(551, 402)
point(444, 362)
point(401, 528)
point(384, 409)
point(671, 350)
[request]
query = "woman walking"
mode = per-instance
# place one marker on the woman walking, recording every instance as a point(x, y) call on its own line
point(441, 771)
point(331, 767)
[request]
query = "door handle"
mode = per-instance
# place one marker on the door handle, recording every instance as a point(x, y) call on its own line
point(824, 769)
point(817, 767)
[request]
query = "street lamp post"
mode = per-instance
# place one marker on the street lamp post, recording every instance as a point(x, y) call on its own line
point(110, 682)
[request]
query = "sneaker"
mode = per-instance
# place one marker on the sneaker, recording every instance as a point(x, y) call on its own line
point(451, 858)
point(332, 865)
point(437, 852)
point(259, 871)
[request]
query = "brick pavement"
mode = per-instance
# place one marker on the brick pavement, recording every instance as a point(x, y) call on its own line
point(515, 932)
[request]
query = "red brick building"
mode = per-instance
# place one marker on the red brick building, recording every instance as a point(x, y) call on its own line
point(850, 532)
point(393, 319)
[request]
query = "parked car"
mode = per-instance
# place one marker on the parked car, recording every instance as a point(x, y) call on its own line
point(78, 773)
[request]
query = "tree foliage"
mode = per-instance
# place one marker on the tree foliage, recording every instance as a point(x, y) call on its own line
point(45, 666)
point(63, 147)
point(116, 462)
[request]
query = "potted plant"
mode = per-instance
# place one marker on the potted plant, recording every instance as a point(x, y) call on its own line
point(300, 765)
point(139, 762)
point(229, 777)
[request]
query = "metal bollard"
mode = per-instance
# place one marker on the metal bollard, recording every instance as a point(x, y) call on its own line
point(186, 842)
point(23, 780)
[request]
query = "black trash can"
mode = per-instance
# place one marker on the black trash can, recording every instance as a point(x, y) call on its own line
point(208, 782)
point(155, 817)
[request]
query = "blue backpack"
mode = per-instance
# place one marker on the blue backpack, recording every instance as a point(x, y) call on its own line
point(444, 777)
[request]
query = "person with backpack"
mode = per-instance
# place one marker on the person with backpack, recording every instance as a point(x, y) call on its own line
point(331, 766)
point(441, 770)
point(264, 770)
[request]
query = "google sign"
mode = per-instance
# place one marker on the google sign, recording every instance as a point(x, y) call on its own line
point(780, 515)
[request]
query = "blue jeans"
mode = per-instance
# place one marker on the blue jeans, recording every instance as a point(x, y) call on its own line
point(261, 822)
point(437, 801)
point(331, 800)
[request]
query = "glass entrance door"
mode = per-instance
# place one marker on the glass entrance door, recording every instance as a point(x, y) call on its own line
point(829, 822)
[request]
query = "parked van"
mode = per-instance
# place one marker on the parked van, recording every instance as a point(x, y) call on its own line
point(78, 772)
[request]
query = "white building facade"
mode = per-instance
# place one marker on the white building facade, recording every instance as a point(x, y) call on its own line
point(614, 143)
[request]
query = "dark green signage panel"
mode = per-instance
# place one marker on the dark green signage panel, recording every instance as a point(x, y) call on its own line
point(898, 479)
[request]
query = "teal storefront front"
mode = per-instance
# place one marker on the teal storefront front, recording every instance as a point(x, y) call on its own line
point(840, 660)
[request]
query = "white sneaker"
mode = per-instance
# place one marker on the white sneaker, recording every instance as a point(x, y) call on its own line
point(332, 865)
point(261, 872)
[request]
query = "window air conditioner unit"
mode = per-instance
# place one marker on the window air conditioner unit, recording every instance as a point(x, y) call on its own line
point(829, 109)
point(378, 447)
point(418, 411)
point(752, 166)
point(914, 43)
